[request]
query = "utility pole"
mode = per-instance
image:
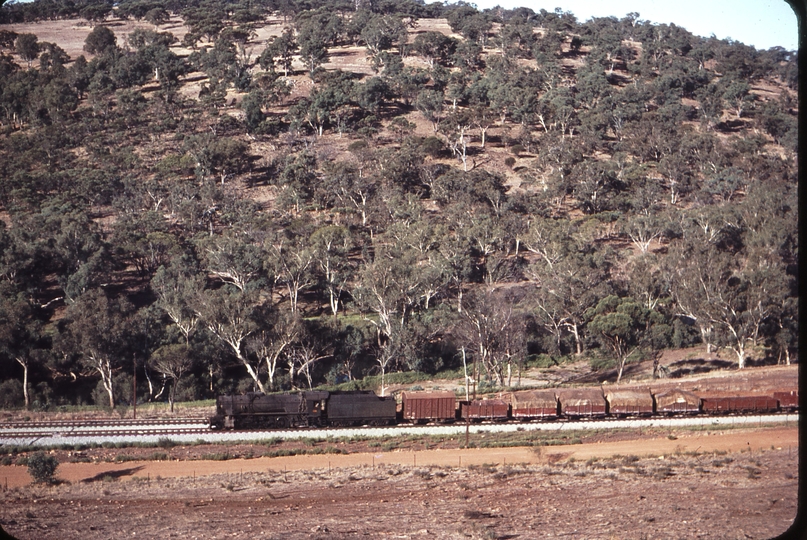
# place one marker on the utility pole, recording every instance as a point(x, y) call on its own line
point(134, 388)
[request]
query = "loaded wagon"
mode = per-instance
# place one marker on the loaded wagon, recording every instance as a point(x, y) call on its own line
point(534, 404)
point(629, 402)
point(429, 406)
point(485, 409)
point(739, 404)
point(677, 402)
point(582, 402)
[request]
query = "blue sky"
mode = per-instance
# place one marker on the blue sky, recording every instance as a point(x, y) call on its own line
point(761, 23)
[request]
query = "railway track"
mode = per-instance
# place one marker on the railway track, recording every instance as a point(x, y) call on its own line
point(11, 432)
point(179, 433)
point(66, 424)
point(106, 433)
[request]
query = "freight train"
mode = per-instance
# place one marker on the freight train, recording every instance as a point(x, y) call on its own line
point(323, 408)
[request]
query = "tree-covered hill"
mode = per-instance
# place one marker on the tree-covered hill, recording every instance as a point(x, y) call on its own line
point(276, 193)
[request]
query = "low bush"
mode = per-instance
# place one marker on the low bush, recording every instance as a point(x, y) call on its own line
point(42, 467)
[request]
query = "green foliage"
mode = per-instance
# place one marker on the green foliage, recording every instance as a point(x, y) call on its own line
point(100, 40)
point(42, 467)
point(200, 240)
point(27, 46)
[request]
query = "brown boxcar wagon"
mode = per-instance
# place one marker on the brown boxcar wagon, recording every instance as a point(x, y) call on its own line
point(429, 406)
point(739, 404)
point(787, 400)
point(582, 402)
point(677, 402)
point(485, 409)
point(629, 402)
point(534, 404)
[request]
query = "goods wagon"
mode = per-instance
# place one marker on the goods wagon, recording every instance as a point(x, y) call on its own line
point(485, 409)
point(629, 402)
point(588, 402)
point(677, 402)
point(532, 404)
point(787, 400)
point(738, 404)
point(428, 406)
point(357, 408)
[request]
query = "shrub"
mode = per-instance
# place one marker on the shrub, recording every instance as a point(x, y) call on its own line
point(42, 467)
point(11, 394)
point(510, 161)
point(165, 442)
point(433, 146)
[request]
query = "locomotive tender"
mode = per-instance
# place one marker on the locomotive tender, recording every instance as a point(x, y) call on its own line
point(302, 409)
point(323, 408)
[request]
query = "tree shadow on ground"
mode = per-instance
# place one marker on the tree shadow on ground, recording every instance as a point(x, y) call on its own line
point(694, 366)
point(610, 374)
point(115, 475)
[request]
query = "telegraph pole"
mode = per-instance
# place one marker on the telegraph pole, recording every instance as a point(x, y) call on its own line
point(134, 388)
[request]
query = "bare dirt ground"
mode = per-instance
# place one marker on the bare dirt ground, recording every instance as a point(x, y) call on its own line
point(740, 484)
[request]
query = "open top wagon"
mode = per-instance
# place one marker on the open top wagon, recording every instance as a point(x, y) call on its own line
point(534, 404)
point(419, 407)
point(582, 402)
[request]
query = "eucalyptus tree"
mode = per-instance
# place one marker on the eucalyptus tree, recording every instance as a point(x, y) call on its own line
point(515, 38)
point(353, 189)
point(383, 32)
point(173, 361)
point(277, 332)
point(456, 127)
point(176, 287)
point(157, 16)
point(332, 244)
point(315, 32)
point(64, 240)
point(493, 326)
point(430, 104)
point(292, 261)
point(154, 49)
point(312, 346)
point(329, 102)
point(389, 288)
point(471, 24)
point(207, 20)
point(221, 156)
point(100, 40)
point(624, 326)
point(28, 47)
point(435, 47)
point(279, 52)
point(230, 315)
point(97, 331)
point(233, 259)
point(21, 333)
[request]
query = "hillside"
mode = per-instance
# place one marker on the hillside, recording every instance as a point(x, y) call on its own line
point(224, 196)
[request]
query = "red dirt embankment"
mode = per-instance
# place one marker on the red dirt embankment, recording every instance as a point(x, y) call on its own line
point(703, 442)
